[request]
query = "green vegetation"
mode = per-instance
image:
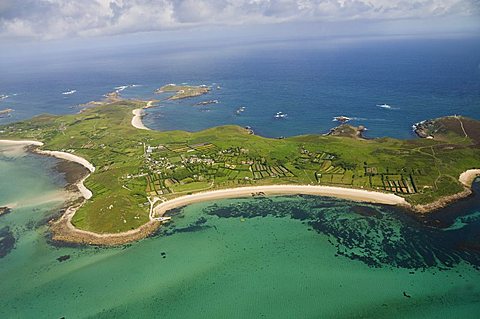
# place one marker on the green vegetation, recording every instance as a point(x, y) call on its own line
point(183, 91)
point(133, 164)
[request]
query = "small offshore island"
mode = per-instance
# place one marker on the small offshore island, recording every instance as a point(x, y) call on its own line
point(5, 112)
point(183, 91)
point(134, 176)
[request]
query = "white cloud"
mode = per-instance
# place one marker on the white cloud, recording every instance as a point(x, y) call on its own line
point(49, 19)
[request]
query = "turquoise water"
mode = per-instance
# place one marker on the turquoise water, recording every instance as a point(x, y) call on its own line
point(283, 257)
point(280, 257)
point(27, 179)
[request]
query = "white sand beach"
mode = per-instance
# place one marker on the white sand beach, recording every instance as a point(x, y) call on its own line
point(139, 113)
point(69, 157)
point(340, 192)
point(65, 230)
point(467, 177)
point(86, 193)
point(21, 142)
point(137, 119)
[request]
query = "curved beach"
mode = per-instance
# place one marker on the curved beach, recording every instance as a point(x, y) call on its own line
point(69, 157)
point(138, 114)
point(64, 230)
point(467, 177)
point(86, 193)
point(330, 191)
point(137, 119)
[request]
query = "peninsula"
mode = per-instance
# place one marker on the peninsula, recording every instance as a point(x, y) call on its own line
point(133, 176)
point(183, 91)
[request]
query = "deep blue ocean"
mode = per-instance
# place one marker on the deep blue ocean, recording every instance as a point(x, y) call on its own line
point(311, 81)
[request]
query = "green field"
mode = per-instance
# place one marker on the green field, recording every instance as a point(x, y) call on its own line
point(133, 164)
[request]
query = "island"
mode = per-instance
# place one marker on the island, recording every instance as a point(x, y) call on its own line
point(183, 91)
point(133, 177)
point(5, 112)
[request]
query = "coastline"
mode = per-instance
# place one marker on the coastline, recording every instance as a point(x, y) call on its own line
point(63, 230)
point(21, 142)
point(138, 114)
point(83, 190)
point(466, 178)
point(329, 191)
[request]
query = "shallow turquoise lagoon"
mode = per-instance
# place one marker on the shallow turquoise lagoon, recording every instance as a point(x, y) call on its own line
point(279, 257)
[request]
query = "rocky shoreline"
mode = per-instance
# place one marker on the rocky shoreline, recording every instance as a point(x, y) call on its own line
point(442, 202)
point(4, 210)
point(63, 231)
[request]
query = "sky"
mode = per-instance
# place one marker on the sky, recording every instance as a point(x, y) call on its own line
point(46, 20)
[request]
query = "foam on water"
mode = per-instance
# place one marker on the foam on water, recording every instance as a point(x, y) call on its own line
point(426, 79)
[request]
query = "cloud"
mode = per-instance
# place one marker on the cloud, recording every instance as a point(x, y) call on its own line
point(51, 19)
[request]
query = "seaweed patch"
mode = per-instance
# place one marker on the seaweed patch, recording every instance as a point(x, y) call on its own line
point(7, 241)
point(374, 234)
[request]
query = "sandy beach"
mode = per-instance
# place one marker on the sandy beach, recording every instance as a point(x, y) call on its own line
point(340, 192)
point(467, 177)
point(137, 119)
point(15, 148)
point(69, 157)
point(21, 143)
point(138, 114)
point(86, 193)
point(64, 230)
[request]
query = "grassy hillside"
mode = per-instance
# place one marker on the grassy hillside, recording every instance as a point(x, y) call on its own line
point(133, 164)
